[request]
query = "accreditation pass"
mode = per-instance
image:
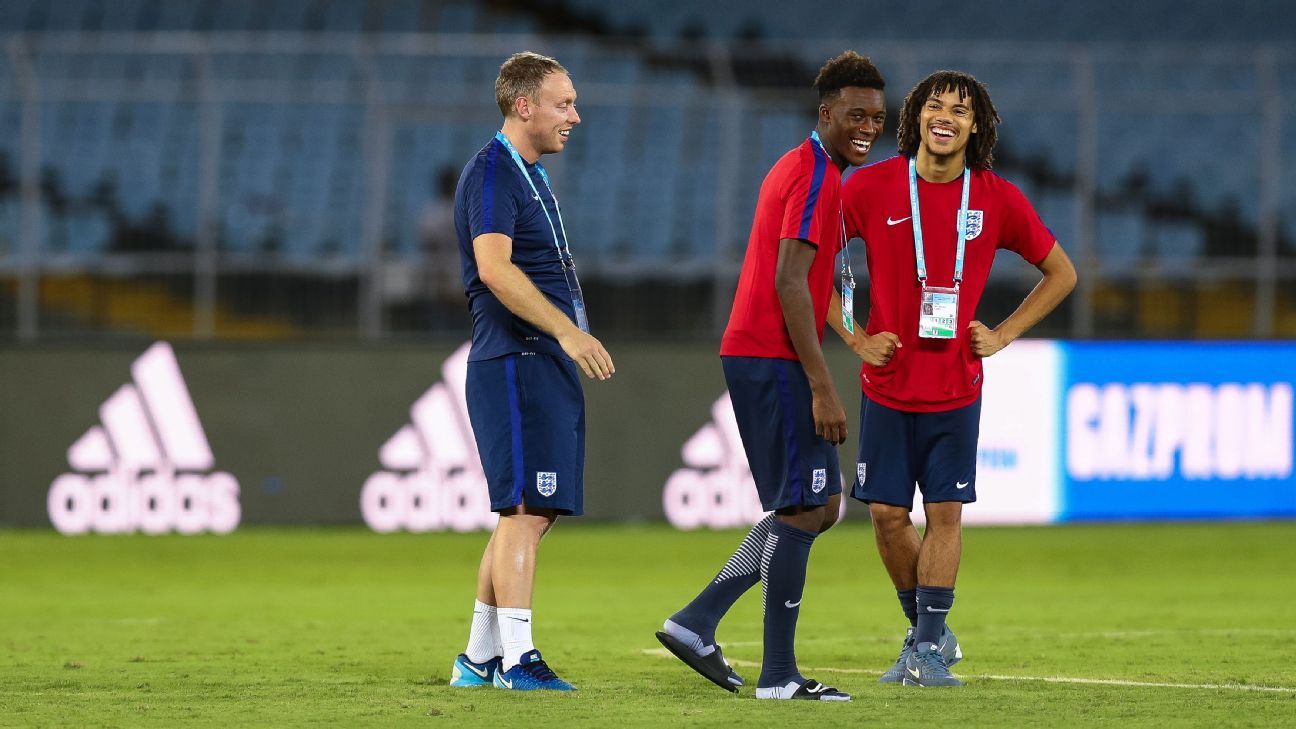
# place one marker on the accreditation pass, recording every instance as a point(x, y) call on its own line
point(938, 317)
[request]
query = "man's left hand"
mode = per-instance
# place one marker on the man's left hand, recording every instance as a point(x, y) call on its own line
point(985, 341)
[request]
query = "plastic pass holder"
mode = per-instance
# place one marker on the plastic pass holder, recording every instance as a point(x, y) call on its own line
point(938, 317)
point(577, 297)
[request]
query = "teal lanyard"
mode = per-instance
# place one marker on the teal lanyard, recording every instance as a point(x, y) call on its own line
point(917, 224)
point(847, 275)
point(560, 244)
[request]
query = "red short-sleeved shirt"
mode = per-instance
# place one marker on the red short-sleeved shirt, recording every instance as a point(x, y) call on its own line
point(799, 199)
point(931, 375)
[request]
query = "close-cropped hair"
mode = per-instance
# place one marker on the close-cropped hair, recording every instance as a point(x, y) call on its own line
point(981, 145)
point(847, 69)
point(521, 75)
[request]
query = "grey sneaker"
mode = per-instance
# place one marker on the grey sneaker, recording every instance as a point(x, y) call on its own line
point(895, 674)
point(927, 668)
point(948, 645)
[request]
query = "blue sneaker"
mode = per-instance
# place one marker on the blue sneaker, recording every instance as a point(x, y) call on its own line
point(927, 668)
point(466, 674)
point(895, 674)
point(948, 646)
point(531, 674)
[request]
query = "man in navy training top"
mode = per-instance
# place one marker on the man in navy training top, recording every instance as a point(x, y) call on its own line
point(788, 412)
point(523, 387)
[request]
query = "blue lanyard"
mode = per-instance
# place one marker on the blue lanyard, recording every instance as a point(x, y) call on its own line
point(917, 224)
point(564, 253)
point(847, 275)
point(560, 244)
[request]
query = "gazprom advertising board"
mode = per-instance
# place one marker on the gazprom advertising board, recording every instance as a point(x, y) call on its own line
point(1177, 430)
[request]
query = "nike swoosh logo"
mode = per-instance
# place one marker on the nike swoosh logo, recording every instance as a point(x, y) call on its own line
point(820, 688)
point(961, 485)
point(913, 673)
point(520, 620)
point(931, 609)
point(481, 673)
point(790, 604)
point(507, 683)
point(897, 222)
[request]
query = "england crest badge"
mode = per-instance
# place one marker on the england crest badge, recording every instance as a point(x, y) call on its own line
point(974, 221)
point(546, 483)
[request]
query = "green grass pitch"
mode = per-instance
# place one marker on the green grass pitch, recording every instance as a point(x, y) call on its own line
point(341, 627)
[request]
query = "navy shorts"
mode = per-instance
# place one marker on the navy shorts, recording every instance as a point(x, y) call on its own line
point(528, 417)
point(790, 464)
point(899, 450)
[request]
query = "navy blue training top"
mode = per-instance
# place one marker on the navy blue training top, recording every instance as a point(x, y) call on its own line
point(493, 197)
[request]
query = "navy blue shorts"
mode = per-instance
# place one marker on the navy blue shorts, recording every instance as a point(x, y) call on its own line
point(899, 450)
point(528, 417)
point(790, 464)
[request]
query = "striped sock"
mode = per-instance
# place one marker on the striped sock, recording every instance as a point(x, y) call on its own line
point(783, 572)
point(739, 574)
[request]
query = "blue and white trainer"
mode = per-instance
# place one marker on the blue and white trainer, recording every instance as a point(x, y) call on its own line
point(895, 674)
point(466, 674)
point(948, 646)
point(927, 668)
point(531, 674)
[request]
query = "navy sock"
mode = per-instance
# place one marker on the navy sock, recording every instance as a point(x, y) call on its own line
point(736, 577)
point(783, 572)
point(909, 604)
point(934, 604)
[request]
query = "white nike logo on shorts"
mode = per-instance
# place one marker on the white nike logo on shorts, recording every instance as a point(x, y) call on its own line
point(897, 222)
point(790, 604)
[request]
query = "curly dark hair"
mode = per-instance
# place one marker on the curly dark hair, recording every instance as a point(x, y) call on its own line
point(847, 69)
point(980, 148)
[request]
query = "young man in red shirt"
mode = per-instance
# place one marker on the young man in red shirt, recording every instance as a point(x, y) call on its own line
point(789, 415)
point(932, 219)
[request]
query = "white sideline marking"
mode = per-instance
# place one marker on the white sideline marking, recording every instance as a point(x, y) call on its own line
point(663, 653)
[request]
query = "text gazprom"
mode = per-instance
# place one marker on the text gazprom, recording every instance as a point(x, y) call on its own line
point(1147, 431)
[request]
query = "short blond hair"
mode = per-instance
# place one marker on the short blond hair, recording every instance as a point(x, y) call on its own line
point(521, 75)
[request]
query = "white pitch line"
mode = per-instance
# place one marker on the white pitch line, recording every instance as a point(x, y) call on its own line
point(663, 653)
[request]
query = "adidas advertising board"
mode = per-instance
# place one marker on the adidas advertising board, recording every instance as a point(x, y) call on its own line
point(147, 467)
point(431, 477)
point(96, 439)
point(1180, 430)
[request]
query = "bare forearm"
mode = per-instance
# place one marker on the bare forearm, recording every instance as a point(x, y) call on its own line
point(520, 296)
point(1042, 300)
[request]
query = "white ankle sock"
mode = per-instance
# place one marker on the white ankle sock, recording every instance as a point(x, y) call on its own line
point(483, 637)
point(515, 634)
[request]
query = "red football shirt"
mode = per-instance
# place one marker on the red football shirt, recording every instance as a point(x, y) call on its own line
point(931, 375)
point(799, 199)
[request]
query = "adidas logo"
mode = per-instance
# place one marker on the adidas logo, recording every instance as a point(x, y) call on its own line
point(715, 488)
point(432, 478)
point(147, 466)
